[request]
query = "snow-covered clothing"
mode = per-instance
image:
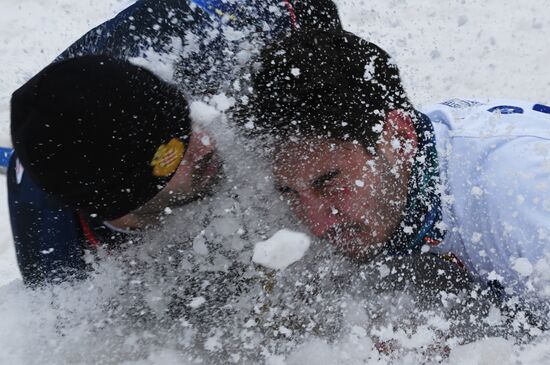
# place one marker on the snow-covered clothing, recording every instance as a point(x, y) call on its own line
point(494, 160)
point(201, 42)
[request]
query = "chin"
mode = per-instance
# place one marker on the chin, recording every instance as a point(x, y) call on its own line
point(356, 249)
point(361, 254)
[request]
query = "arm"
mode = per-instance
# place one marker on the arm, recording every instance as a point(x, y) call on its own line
point(47, 236)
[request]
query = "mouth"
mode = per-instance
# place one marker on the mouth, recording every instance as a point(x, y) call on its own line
point(350, 240)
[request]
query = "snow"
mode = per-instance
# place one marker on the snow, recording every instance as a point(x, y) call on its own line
point(161, 64)
point(283, 249)
point(204, 113)
point(197, 302)
point(475, 49)
point(522, 266)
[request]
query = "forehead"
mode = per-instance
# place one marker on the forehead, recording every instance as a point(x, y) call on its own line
point(308, 158)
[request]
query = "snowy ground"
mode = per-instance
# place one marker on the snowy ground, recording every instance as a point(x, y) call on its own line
point(478, 48)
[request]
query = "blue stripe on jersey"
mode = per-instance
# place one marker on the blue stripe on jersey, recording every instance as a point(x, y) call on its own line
point(541, 108)
point(210, 6)
point(506, 109)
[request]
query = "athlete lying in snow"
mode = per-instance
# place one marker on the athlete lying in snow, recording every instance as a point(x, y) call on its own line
point(360, 166)
point(65, 194)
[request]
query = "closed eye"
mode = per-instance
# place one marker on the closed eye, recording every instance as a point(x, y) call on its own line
point(323, 180)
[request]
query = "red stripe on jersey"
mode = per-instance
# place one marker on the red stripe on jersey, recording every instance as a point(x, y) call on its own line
point(90, 237)
point(292, 14)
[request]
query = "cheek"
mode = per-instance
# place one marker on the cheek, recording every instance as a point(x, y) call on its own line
point(181, 180)
point(355, 201)
point(345, 200)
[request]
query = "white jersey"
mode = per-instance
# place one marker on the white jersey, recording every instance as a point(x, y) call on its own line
point(495, 167)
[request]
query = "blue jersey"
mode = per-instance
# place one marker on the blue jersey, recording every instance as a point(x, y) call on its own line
point(205, 36)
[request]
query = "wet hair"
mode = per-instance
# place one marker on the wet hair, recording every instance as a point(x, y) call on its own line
point(326, 85)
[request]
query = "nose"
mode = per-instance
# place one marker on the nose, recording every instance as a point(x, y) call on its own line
point(315, 212)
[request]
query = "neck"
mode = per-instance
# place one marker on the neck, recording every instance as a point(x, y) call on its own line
point(422, 213)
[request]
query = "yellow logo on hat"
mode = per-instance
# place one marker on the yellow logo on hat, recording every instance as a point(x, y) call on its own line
point(168, 157)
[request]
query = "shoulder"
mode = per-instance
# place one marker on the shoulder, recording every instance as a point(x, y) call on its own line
point(495, 159)
point(491, 118)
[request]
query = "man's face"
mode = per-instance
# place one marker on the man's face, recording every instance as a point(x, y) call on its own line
point(342, 192)
point(198, 173)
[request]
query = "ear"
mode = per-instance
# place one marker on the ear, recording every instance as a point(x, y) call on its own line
point(399, 141)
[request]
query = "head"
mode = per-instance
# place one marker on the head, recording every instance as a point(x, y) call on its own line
point(198, 173)
point(344, 136)
point(109, 138)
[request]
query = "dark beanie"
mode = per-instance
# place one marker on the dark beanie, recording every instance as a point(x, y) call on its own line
point(99, 134)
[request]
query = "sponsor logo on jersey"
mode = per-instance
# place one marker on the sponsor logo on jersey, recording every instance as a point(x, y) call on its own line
point(541, 108)
point(506, 109)
point(167, 158)
point(461, 103)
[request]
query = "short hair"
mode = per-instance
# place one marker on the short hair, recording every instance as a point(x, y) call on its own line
point(324, 84)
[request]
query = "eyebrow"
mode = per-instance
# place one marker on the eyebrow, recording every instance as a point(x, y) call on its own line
point(316, 182)
point(319, 181)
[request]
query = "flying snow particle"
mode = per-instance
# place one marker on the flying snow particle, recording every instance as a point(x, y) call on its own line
point(203, 114)
point(213, 343)
point(222, 102)
point(199, 245)
point(285, 331)
point(384, 270)
point(476, 191)
point(369, 72)
point(377, 128)
point(494, 276)
point(494, 316)
point(359, 183)
point(295, 71)
point(237, 85)
point(283, 249)
point(197, 302)
point(162, 64)
point(205, 140)
point(522, 266)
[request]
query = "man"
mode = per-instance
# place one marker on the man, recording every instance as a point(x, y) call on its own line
point(468, 180)
point(55, 213)
point(103, 148)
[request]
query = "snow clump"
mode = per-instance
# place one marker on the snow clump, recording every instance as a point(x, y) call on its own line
point(283, 249)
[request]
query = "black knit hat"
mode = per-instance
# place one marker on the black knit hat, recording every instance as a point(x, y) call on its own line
point(324, 84)
point(100, 134)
